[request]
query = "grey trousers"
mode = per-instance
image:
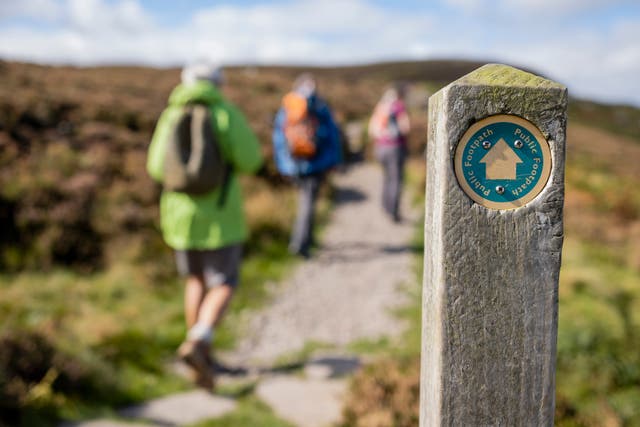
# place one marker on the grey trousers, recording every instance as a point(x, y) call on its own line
point(302, 234)
point(392, 159)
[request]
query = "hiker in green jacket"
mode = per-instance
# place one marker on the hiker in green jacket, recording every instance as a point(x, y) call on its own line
point(207, 235)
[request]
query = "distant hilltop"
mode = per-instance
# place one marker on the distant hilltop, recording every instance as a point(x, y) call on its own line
point(443, 70)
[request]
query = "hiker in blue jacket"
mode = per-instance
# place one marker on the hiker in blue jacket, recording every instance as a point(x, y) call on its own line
point(304, 112)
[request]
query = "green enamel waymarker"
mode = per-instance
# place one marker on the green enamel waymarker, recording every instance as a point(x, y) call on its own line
point(502, 162)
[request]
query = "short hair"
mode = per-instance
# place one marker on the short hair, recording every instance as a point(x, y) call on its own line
point(305, 84)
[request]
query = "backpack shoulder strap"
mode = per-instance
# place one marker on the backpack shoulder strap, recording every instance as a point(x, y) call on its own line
point(204, 109)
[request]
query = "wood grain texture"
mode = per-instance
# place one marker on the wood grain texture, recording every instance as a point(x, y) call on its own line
point(490, 289)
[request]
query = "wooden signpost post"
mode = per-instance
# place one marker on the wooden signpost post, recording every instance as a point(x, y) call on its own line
point(493, 240)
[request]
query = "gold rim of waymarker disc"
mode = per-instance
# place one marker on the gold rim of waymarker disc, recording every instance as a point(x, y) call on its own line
point(544, 173)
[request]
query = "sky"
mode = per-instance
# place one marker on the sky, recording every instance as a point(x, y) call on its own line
point(591, 46)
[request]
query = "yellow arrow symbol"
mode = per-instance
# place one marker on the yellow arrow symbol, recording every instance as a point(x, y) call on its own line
point(501, 161)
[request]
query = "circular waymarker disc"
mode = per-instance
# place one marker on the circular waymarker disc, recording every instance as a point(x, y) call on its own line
point(503, 162)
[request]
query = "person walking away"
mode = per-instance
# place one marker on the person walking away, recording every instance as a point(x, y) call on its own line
point(206, 228)
point(307, 145)
point(389, 128)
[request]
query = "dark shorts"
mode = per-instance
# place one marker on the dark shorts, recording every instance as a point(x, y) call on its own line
point(217, 266)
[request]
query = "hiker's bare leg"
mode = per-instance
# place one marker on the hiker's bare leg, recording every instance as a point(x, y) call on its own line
point(203, 310)
point(194, 293)
point(194, 351)
point(215, 303)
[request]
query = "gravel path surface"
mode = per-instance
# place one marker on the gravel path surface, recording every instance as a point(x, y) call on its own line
point(348, 289)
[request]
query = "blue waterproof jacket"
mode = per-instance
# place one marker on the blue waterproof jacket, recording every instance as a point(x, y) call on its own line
point(329, 152)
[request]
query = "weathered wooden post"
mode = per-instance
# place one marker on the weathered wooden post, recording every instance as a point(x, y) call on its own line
point(493, 240)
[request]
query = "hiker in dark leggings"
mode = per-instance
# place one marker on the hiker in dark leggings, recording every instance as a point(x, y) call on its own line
point(389, 128)
point(306, 145)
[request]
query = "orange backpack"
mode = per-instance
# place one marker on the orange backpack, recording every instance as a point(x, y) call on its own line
point(300, 126)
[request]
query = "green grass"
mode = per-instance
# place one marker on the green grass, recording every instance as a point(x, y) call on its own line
point(295, 360)
point(121, 326)
point(371, 346)
point(114, 330)
point(598, 365)
point(250, 412)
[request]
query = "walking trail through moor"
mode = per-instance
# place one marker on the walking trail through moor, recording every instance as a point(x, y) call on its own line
point(345, 293)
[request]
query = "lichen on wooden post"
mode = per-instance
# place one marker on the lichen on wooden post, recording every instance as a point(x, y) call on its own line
point(492, 250)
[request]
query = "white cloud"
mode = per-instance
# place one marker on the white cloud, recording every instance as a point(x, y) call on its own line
point(38, 9)
point(303, 31)
point(98, 16)
point(311, 31)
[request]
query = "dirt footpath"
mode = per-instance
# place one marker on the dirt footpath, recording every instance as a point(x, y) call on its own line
point(350, 286)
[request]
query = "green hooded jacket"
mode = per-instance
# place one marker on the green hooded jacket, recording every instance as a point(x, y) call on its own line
point(197, 222)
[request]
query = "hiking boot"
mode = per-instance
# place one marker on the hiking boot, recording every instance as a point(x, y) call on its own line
point(195, 354)
point(301, 252)
point(223, 369)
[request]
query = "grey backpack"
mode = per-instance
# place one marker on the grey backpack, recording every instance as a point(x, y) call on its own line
point(194, 162)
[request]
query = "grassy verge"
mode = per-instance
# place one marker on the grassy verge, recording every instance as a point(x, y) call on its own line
point(75, 345)
point(250, 412)
point(598, 365)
